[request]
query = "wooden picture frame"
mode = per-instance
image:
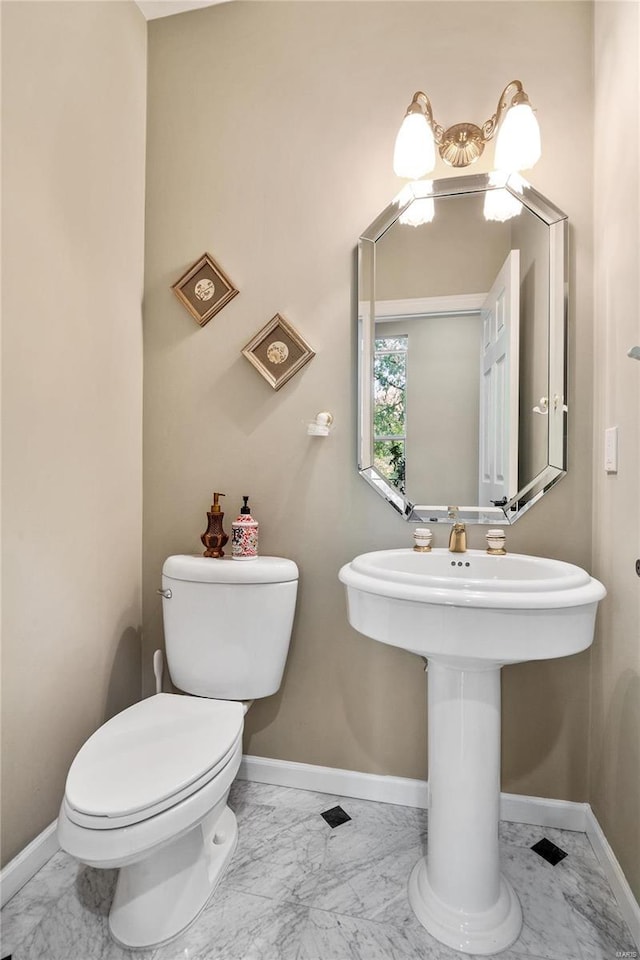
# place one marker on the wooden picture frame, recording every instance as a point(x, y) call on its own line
point(204, 289)
point(278, 351)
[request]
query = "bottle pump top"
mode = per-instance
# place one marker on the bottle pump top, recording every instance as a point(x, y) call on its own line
point(214, 537)
point(245, 534)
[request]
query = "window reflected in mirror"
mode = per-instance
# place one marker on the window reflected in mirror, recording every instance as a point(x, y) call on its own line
point(390, 409)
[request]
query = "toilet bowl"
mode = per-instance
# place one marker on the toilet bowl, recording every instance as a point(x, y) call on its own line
point(147, 793)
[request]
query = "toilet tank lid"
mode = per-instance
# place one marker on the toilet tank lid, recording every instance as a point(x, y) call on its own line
point(226, 570)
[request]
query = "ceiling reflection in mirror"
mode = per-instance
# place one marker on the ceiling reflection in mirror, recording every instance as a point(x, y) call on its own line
point(462, 367)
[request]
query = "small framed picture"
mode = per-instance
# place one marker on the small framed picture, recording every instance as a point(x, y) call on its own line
point(278, 352)
point(204, 289)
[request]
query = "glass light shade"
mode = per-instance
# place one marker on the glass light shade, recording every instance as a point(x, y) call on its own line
point(500, 205)
point(422, 209)
point(415, 152)
point(518, 140)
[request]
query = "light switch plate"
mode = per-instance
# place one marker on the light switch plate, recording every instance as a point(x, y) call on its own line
point(611, 450)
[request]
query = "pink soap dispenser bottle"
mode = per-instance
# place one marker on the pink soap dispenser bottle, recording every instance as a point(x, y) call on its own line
point(244, 544)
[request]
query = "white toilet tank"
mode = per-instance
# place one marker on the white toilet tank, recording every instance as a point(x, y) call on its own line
point(227, 624)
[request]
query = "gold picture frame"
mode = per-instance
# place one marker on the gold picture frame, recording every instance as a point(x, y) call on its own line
point(278, 352)
point(204, 289)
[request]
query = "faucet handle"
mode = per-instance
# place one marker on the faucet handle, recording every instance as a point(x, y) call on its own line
point(496, 540)
point(422, 540)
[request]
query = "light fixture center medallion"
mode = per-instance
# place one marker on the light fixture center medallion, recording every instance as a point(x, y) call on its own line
point(462, 144)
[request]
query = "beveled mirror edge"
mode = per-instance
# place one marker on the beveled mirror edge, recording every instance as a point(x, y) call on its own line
point(366, 311)
point(459, 186)
point(421, 513)
point(384, 489)
point(558, 334)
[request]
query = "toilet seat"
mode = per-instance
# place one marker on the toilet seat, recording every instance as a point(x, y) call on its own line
point(150, 757)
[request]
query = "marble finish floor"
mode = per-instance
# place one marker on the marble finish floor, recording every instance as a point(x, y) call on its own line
point(298, 890)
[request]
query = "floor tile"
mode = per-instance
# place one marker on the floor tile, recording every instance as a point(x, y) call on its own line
point(240, 926)
point(245, 792)
point(277, 856)
point(546, 927)
point(368, 815)
point(595, 915)
point(30, 904)
point(75, 926)
point(366, 869)
point(332, 936)
point(298, 890)
point(526, 834)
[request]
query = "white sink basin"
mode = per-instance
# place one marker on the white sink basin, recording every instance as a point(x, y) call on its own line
point(468, 614)
point(472, 605)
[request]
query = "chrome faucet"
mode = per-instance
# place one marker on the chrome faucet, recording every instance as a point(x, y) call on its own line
point(458, 536)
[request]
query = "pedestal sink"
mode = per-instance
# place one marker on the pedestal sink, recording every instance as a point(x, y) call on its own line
point(468, 614)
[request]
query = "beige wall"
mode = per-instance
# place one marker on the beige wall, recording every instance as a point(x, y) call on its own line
point(615, 688)
point(73, 115)
point(270, 139)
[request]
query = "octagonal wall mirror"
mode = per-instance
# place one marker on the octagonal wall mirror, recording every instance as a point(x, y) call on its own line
point(462, 305)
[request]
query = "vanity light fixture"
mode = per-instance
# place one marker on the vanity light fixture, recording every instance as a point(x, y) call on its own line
point(517, 140)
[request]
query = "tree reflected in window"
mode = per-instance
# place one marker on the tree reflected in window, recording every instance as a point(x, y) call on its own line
point(390, 407)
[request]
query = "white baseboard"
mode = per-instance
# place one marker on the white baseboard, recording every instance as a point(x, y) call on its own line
point(344, 783)
point(19, 870)
point(628, 904)
point(565, 814)
point(403, 791)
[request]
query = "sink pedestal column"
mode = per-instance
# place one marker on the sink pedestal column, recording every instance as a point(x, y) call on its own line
point(457, 891)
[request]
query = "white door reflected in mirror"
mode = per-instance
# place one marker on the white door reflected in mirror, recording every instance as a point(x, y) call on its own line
point(499, 383)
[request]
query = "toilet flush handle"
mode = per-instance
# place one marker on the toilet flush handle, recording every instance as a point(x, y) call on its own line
point(165, 593)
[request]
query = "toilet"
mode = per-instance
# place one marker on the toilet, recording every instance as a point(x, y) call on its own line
point(147, 793)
